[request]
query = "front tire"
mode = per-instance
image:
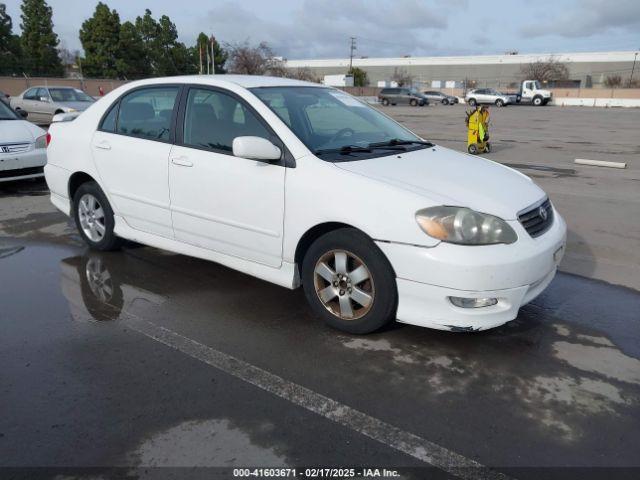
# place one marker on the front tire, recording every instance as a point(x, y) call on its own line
point(445, 102)
point(94, 217)
point(385, 102)
point(413, 103)
point(499, 103)
point(537, 101)
point(349, 283)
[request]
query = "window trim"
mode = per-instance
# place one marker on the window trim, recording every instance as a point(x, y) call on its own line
point(286, 159)
point(174, 114)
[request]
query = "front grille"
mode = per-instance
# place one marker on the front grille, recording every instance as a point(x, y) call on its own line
point(14, 147)
point(537, 219)
point(21, 172)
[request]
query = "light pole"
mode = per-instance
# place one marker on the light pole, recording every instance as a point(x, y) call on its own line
point(635, 57)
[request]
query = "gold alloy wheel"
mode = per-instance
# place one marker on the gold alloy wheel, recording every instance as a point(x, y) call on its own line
point(344, 284)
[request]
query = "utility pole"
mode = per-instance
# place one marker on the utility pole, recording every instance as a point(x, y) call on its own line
point(635, 57)
point(213, 56)
point(352, 49)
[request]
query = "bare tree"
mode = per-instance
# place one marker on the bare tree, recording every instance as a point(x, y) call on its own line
point(402, 77)
point(249, 60)
point(613, 81)
point(545, 71)
point(304, 73)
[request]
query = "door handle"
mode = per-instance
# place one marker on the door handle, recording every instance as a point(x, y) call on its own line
point(181, 161)
point(103, 146)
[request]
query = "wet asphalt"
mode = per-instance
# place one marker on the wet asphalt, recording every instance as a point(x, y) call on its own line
point(81, 386)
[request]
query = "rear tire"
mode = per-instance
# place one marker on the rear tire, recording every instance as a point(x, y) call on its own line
point(94, 218)
point(385, 102)
point(349, 283)
point(472, 102)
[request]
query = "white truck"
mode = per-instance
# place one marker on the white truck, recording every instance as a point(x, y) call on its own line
point(531, 92)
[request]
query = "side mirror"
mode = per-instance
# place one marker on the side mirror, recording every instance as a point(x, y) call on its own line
point(256, 148)
point(44, 99)
point(23, 113)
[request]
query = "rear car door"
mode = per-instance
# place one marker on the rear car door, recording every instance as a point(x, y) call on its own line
point(221, 202)
point(131, 152)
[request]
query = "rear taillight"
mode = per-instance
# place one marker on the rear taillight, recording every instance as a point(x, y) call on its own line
point(48, 138)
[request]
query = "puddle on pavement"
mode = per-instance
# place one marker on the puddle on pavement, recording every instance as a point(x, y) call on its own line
point(204, 443)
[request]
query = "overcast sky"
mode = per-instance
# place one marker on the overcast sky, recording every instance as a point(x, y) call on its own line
point(299, 29)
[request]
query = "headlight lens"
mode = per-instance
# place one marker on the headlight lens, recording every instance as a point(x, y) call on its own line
point(41, 142)
point(464, 226)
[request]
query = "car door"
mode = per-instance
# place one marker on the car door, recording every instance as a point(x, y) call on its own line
point(131, 152)
point(220, 202)
point(42, 105)
point(29, 104)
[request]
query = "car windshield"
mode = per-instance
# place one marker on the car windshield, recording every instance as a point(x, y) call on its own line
point(6, 113)
point(337, 126)
point(69, 95)
point(536, 84)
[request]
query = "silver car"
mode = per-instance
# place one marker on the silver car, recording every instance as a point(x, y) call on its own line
point(42, 103)
point(488, 96)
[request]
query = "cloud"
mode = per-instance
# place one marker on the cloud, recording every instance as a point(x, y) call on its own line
point(587, 18)
point(321, 30)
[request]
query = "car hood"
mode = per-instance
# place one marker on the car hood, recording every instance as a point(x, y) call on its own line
point(19, 131)
point(79, 106)
point(447, 177)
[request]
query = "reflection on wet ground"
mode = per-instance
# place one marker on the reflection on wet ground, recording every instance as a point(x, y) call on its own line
point(561, 382)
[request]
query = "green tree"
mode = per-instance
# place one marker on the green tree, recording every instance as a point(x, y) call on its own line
point(220, 55)
point(360, 78)
point(165, 54)
point(100, 37)
point(132, 61)
point(38, 39)
point(10, 51)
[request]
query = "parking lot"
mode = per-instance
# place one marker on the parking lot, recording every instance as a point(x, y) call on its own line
point(142, 358)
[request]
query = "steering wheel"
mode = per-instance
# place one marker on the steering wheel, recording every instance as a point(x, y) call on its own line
point(345, 132)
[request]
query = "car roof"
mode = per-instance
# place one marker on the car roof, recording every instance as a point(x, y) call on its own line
point(246, 81)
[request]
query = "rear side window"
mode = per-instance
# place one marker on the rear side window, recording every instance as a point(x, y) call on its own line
point(147, 113)
point(109, 121)
point(30, 94)
point(213, 119)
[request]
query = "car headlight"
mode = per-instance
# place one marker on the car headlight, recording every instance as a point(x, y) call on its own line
point(464, 226)
point(41, 142)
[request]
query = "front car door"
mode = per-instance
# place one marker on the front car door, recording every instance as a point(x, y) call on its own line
point(29, 104)
point(220, 202)
point(131, 152)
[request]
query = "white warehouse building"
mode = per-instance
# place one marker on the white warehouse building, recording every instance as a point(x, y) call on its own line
point(585, 69)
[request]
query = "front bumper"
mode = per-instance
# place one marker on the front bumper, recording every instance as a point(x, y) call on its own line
point(514, 274)
point(18, 166)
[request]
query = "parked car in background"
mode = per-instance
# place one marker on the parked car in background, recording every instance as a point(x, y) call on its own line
point(42, 103)
point(236, 169)
point(22, 146)
point(402, 96)
point(488, 96)
point(5, 98)
point(439, 97)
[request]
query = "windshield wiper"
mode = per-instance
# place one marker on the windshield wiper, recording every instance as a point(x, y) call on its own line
point(399, 142)
point(343, 150)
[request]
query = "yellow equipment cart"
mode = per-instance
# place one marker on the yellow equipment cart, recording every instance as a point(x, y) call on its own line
point(478, 131)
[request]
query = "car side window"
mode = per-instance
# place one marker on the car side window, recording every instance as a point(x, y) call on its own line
point(213, 119)
point(30, 94)
point(42, 93)
point(146, 113)
point(109, 121)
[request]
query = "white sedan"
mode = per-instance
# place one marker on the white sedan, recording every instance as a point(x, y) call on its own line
point(23, 151)
point(300, 184)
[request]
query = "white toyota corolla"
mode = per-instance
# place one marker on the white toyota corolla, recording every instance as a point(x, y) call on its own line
point(22, 147)
point(300, 184)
